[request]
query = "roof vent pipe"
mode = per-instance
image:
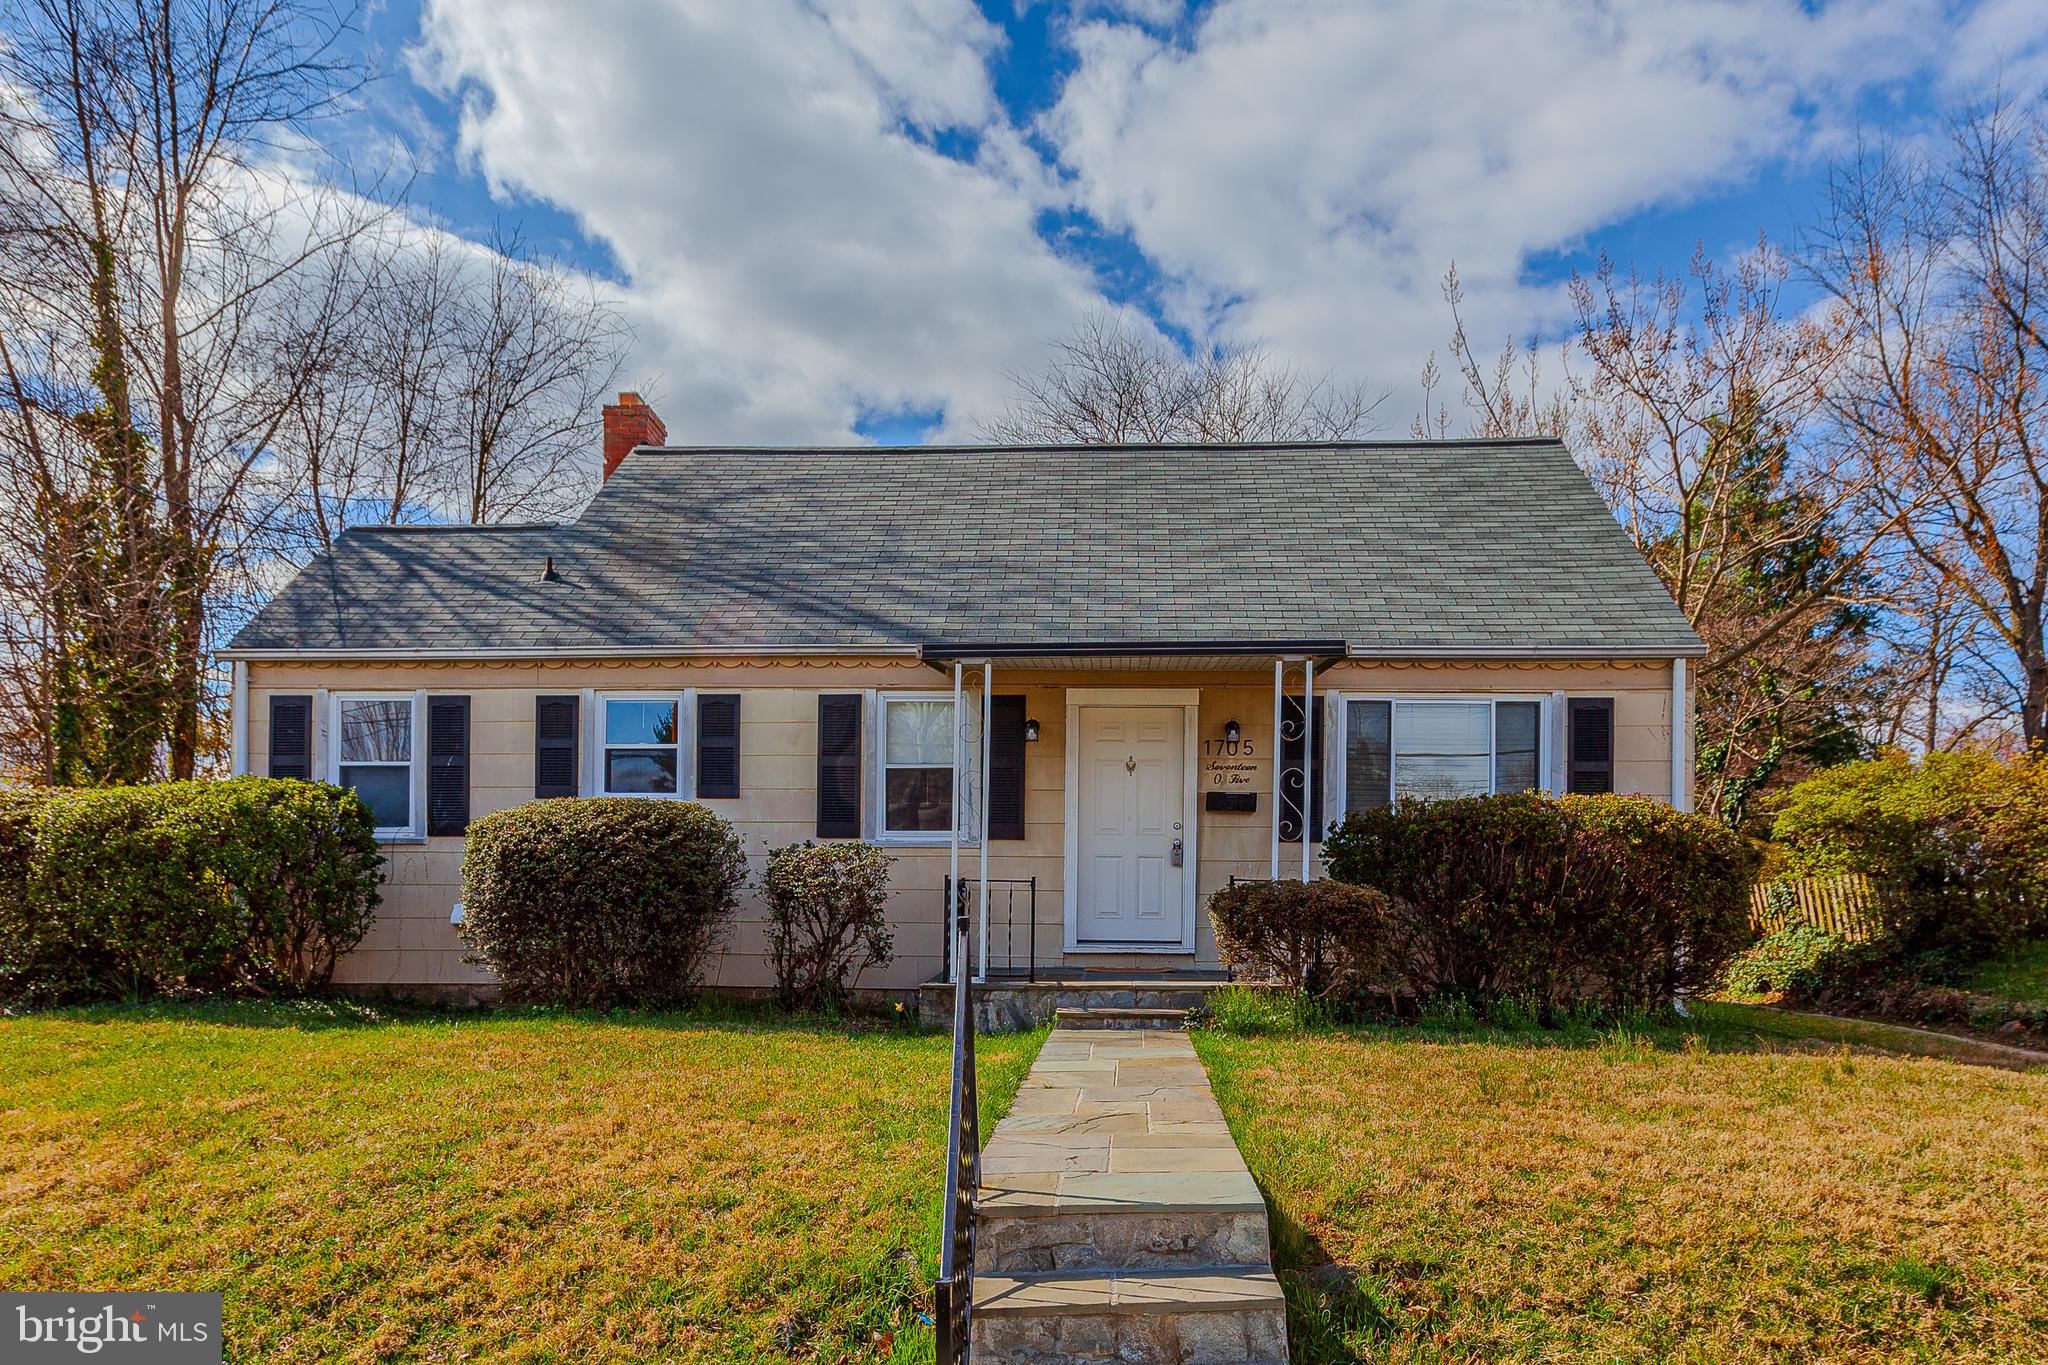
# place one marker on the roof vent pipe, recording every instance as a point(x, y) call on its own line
point(547, 571)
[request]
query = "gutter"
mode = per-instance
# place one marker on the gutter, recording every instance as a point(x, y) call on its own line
point(578, 652)
point(1569, 652)
point(953, 649)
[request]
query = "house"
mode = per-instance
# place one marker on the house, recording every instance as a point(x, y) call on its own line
point(1107, 679)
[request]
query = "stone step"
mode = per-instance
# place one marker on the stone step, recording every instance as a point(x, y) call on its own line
point(1006, 1005)
point(1202, 1316)
point(1110, 1016)
point(1133, 1221)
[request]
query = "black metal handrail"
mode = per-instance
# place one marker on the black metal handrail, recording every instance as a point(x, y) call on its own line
point(953, 1294)
point(1013, 891)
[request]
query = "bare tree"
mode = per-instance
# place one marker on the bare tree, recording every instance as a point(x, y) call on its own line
point(1113, 382)
point(1511, 400)
point(1939, 266)
point(536, 352)
point(1701, 415)
point(151, 228)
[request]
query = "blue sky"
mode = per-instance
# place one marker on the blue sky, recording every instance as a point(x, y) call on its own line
point(848, 219)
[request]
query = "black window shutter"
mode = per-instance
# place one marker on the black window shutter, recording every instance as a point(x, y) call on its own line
point(839, 766)
point(1591, 744)
point(447, 765)
point(554, 745)
point(718, 745)
point(1006, 768)
point(1292, 737)
point(291, 737)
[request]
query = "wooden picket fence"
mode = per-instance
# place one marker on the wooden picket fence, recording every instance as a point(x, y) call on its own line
point(1845, 905)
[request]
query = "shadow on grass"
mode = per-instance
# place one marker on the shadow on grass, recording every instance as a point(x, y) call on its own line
point(1712, 1026)
point(330, 1013)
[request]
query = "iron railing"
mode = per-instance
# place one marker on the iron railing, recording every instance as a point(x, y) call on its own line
point(953, 1295)
point(1006, 895)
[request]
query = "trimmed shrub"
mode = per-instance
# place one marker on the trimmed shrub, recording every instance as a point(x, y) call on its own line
point(1956, 843)
point(1326, 938)
point(608, 900)
point(827, 918)
point(252, 886)
point(1618, 901)
point(1792, 960)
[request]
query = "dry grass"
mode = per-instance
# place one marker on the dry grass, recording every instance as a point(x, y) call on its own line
point(488, 1187)
point(1733, 1192)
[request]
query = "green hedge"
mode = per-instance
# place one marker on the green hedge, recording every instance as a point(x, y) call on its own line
point(828, 918)
point(1957, 845)
point(1325, 938)
point(252, 886)
point(1617, 901)
point(599, 900)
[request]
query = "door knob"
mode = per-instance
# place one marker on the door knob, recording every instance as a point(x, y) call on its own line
point(1179, 850)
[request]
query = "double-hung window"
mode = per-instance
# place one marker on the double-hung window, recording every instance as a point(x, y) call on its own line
point(917, 764)
point(640, 752)
point(1435, 749)
point(376, 747)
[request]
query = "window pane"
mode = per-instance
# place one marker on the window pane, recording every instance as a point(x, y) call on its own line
point(639, 722)
point(1514, 746)
point(376, 730)
point(387, 791)
point(1439, 777)
point(919, 732)
point(1443, 749)
point(919, 799)
point(639, 770)
point(1442, 728)
point(1366, 770)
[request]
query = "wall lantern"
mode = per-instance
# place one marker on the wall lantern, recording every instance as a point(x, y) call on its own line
point(1232, 732)
point(1031, 732)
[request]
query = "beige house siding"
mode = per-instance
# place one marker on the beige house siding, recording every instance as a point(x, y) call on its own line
point(413, 944)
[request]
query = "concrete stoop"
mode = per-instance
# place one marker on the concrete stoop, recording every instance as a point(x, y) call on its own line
point(1117, 1221)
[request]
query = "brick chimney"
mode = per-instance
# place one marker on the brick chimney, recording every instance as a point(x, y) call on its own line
point(628, 423)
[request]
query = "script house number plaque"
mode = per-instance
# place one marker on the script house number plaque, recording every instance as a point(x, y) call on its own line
point(1230, 774)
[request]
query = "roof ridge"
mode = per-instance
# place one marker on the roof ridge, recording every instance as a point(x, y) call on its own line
point(1109, 448)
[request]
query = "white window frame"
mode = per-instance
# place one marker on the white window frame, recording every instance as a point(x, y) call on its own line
point(685, 703)
point(909, 838)
point(1340, 778)
point(415, 766)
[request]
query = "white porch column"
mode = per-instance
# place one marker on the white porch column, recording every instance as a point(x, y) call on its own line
point(1308, 760)
point(953, 834)
point(238, 706)
point(1279, 686)
point(1681, 771)
point(988, 685)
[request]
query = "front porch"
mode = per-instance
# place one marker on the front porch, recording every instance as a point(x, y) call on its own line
point(1100, 800)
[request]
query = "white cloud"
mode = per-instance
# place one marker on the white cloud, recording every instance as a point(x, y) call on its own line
point(794, 253)
point(1304, 169)
point(1300, 171)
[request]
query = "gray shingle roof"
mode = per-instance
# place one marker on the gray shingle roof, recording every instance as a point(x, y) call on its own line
point(1397, 546)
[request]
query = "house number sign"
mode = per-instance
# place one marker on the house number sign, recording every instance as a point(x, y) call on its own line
point(1230, 765)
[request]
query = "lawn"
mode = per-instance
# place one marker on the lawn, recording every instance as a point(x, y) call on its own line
point(494, 1186)
point(1738, 1190)
point(2021, 977)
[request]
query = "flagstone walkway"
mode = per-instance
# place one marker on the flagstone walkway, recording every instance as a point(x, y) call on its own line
point(1117, 1220)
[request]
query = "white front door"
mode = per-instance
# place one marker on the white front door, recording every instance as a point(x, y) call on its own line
point(1132, 799)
